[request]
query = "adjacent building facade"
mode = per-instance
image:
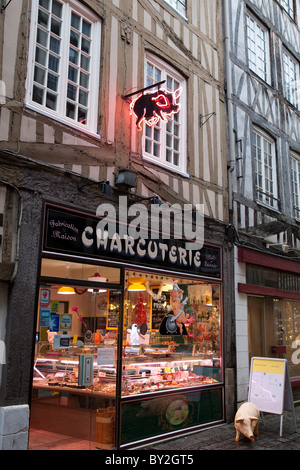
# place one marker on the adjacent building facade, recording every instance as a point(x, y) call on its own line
point(263, 88)
point(69, 139)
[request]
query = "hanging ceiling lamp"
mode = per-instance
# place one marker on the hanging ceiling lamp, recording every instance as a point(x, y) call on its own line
point(97, 278)
point(66, 290)
point(136, 284)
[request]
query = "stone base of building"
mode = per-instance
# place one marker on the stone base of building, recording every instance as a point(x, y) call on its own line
point(14, 427)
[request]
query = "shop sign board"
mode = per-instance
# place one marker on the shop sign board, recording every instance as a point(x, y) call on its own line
point(69, 232)
point(270, 387)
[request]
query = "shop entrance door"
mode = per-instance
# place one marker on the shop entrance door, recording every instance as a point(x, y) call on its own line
point(260, 326)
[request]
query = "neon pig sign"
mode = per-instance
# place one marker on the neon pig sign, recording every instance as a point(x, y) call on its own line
point(154, 106)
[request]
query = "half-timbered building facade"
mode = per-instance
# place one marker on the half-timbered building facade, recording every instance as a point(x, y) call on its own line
point(263, 53)
point(69, 138)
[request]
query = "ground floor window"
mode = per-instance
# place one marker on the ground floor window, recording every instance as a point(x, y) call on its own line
point(172, 336)
point(274, 330)
point(106, 336)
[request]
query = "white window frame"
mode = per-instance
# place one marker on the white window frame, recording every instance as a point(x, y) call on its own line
point(295, 180)
point(179, 6)
point(265, 169)
point(91, 127)
point(161, 160)
point(258, 47)
point(291, 78)
point(288, 6)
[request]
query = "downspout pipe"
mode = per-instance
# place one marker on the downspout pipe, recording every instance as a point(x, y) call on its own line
point(228, 97)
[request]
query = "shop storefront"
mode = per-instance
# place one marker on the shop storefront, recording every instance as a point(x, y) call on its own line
point(128, 337)
point(273, 304)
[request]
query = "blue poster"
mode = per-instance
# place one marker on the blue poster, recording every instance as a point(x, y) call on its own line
point(44, 317)
point(54, 322)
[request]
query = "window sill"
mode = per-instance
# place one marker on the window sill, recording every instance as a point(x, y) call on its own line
point(273, 209)
point(166, 166)
point(64, 121)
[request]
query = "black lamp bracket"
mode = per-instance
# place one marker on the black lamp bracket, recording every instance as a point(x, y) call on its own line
point(143, 89)
point(105, 185)
point(3, 6)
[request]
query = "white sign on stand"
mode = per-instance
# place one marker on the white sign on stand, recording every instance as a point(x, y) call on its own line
point(270, 387)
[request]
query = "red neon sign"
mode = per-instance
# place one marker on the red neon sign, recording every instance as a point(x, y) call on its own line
point(154, 106)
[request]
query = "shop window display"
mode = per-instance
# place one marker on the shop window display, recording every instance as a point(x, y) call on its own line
point(171, 341)
point(171, 333)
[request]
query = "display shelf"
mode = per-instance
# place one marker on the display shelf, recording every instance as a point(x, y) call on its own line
point(170, 362)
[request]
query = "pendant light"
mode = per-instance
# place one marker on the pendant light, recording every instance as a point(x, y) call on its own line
point(66, 290)
point(136, 284)
point(97, 278)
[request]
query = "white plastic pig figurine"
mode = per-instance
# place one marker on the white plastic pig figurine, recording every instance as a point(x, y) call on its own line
point(246, 421)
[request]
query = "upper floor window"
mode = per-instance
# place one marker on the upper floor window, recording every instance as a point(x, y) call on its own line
point(291, 79)
point(265, 169)
point(295, 177)
point(179, 5)
point(63, 67)
point(165, 142)
point(258, 48)
point(288, 5)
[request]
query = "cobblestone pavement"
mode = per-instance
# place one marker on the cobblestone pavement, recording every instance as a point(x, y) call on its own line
point(222, 437)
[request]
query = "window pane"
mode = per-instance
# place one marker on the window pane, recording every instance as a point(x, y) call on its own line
point(53, 63)
point(73, 73)
point(54, 45)
point(73, 56)
point(70, 110)
point(42, 37)
point(75, 21)
point(51, 101)
point(83, 97)
point(86, 28)
point(74, 38)
point(55, 26)
point(156, 149)
point(44, 4)
point(39, 75)
point(43, 18)
point(85, 62)
point(72, 92)
point(84, 80)
point(57, 8)
point(52, 81)
point(37, 94)
point(82, 116)
point(41, 56)
point(85, 45)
